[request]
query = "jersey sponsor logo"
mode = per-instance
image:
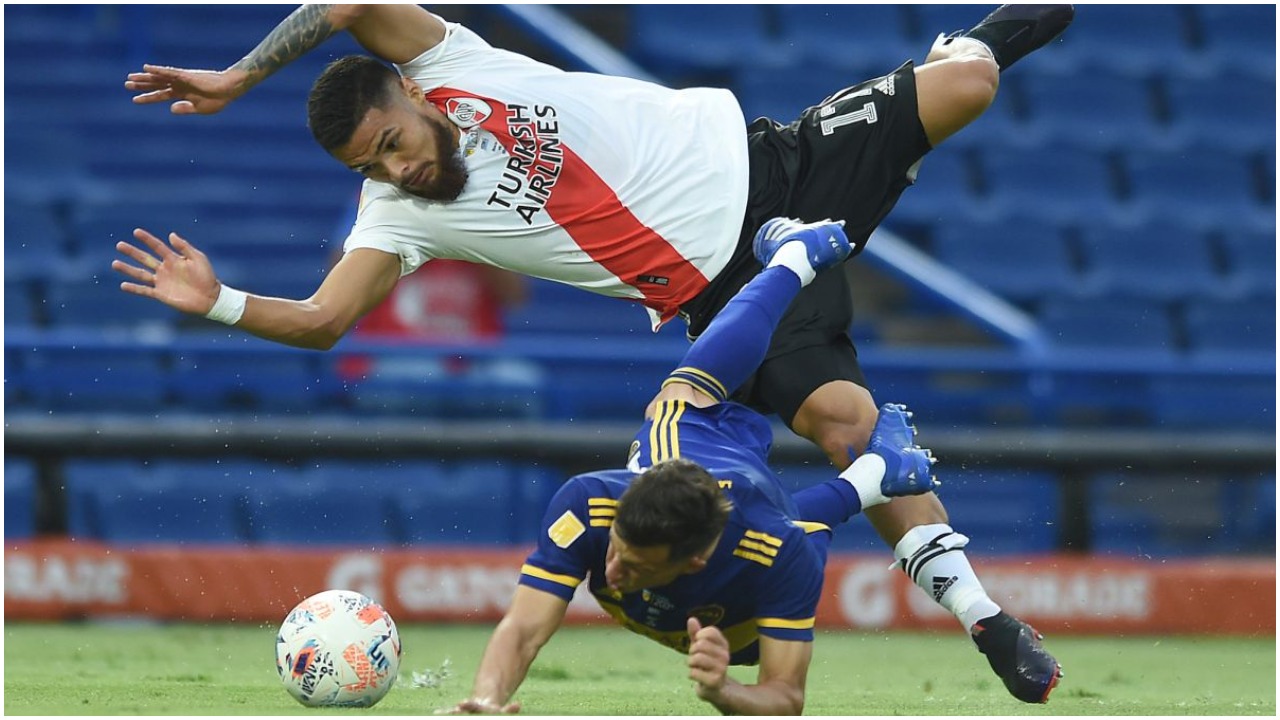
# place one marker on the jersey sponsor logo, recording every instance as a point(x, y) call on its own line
point(566, 529)
point(467, 112)
point(536, 157)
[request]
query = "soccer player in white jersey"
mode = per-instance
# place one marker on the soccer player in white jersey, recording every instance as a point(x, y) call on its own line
point(619, 187)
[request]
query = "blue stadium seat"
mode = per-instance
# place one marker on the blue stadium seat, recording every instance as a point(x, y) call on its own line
point(1256, 514)
point(468, 503)
point(19, 498)
point(556, 308)
point(307, 509)
point(266, 380)
point(1185, 401)
point(35, 238)
point(1229, 326)
point(1239, 38)
point(1002, 510)
point(1153, 516)
point(856, 37)
point(1203, 188)
point(1022, 259)
point(169, 510)
point(1251, 259)
point(1229, 112)
point(1162, 260)
point(673, 40)
point(1059, 184)
point(1102, 39)
point(1079, 110)
point(1107, 323)
point(85, 479)
point(104, 380)
point(43, 161)
point(781, 93)
point(98, 225)
point(98, 302)
point(944, 190)
point(20, 306)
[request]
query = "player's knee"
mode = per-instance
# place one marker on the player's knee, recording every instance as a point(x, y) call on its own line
point(974, 83)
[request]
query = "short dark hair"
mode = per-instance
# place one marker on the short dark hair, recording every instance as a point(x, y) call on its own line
point(675, 503)
point(347, 89)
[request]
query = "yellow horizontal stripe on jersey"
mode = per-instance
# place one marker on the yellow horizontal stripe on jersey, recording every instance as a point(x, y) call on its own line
point(601, 522)
point(810, 527)
point(781, 624)
point(602, 512)
point(567, 580)
point(763, 537)
point(596, 502)
point(761, 547)
point(764, 560)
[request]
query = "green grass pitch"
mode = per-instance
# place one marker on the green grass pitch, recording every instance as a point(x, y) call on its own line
point(140, 669)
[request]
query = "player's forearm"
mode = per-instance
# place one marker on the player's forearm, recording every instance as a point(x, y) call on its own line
point(300, 323)
point(510, 653)
point(304, 29)
point(767, 698)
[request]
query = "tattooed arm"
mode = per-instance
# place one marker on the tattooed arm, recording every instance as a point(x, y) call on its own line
point(395, 33)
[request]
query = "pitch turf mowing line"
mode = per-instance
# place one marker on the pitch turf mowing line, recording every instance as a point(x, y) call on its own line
point(94, 669)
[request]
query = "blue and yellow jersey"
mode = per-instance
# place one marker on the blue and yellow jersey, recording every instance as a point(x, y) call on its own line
point(764, 577)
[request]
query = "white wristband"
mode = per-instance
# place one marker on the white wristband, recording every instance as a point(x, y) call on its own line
point(229, 306)
point(865, 475)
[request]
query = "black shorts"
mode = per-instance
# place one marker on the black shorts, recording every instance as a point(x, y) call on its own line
point(848, 158)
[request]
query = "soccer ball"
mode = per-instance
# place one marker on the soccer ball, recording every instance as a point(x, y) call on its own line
point(338, 648)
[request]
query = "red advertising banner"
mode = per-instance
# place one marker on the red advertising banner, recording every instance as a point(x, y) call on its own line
point(49, 580)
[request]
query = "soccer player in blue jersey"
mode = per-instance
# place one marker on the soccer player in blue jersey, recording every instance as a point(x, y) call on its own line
point(696, 545)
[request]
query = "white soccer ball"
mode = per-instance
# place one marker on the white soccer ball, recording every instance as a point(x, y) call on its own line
point(338, 648)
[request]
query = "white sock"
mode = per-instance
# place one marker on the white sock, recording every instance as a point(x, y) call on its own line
point(963, 46)
point(795, 257)
point(865, 475)
point(933, 557)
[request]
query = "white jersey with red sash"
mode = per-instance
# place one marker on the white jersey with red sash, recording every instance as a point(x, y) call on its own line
point(613, 185)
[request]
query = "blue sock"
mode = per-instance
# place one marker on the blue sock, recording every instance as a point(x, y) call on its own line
point(831, 503)
point(735, 343)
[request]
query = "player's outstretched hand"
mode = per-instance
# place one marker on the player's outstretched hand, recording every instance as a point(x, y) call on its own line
point(908, 467)
point(189, 92)
point(480, 706)
point(708, 659)
point(179, 276)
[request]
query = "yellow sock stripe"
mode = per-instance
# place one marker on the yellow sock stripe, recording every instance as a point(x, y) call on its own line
point(754, 557)
point(717, 387)
point(602, 501)
point(764, 537)
point(758, 547)
point(785, 624)
point(567, 580)
point(682, 377)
